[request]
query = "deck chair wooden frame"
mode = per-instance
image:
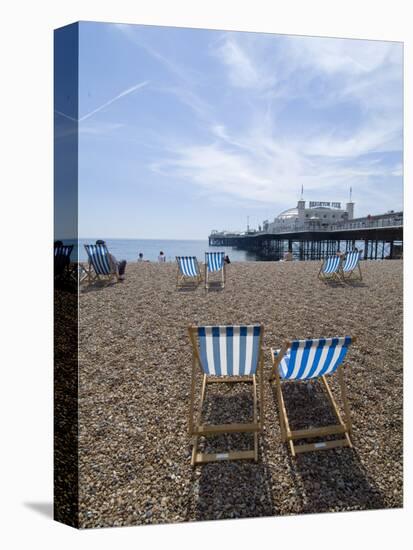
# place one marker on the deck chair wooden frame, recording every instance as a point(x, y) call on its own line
point(330, 275)
point(350, 269)
point(289, 436)
point(221, 272)
point(94, 275)
point(183, 280)
point(197, 429)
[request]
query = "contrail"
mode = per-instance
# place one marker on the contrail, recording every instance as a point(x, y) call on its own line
point(65, 115)
point(122, 94)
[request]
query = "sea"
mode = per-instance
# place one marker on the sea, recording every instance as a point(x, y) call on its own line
point(129, 249)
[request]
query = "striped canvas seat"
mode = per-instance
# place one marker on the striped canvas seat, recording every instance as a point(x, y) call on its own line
point(214, 261)
point(350, 264)
point(226, 355)
point(330, 268)
point(188, 265)
point(307, 359)
point(188, 271)
point(229, 350)
point(331, 264)
point(99, 258)
point(301, 360)
point(214, 264)
point(61, 258)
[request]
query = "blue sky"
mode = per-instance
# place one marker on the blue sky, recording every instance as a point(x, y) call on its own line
point(184, 130)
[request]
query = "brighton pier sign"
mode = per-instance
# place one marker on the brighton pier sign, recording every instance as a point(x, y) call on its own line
point(315, 204)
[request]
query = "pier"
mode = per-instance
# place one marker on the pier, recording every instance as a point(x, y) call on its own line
point(377, 237)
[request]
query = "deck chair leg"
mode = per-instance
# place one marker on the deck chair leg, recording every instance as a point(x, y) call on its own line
point(286, 435)
point(254, 381)
point(196, 437)
point(336, 411)
point(281, 409)
point(345, 400)
point(262, 408)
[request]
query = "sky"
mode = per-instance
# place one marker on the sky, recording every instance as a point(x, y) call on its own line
point(182, 131)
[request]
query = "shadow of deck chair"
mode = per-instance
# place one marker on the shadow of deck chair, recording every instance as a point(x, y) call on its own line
point(305, 360)
point(330, 269)
point(350, 268)
point(214, 263)
point(62, 260)
point(226, 354)
point(188, 271)
point(99, 260)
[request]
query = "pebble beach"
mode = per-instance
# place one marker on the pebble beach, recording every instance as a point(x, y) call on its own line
point(134, 387)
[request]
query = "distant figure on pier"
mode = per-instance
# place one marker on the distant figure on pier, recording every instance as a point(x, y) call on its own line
point(226, 259)
point(161, 257)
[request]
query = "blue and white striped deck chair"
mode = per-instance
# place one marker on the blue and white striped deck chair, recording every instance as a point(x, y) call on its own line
point(188, 271)
point(330, 269)
point(350, 265)
point(62, 259)
point(99, 260)
point(214, 263)
point(226, 354)
point(307, 360)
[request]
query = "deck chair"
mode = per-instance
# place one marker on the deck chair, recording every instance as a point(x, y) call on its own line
point(214, 263)
point(226, 354)
point(306, 360)
point(350, 265)
point(99, 260)
point(330, 269)
point(188, 271)
point(62, 259)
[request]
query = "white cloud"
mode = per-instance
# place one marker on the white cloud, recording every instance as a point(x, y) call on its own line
point(99, 128)
point(260, 168)
point(243, 71)
point(251, 157)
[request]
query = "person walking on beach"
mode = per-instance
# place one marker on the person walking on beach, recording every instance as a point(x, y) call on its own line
point(161, 257)
point(120, 266)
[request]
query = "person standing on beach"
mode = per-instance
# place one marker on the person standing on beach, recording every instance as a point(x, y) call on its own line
point(120, 266)
point(161, 257)
point(140, 257)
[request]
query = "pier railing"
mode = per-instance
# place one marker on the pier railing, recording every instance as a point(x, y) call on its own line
point(366, 223)
point(359, 223)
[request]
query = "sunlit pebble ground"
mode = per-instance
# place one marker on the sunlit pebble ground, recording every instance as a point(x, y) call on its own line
point(135, 367)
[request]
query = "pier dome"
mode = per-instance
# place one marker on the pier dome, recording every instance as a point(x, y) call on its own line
point(318, 215)
point(288, 214)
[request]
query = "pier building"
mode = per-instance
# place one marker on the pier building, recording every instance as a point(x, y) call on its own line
point(318, 230)
point(318, 215)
